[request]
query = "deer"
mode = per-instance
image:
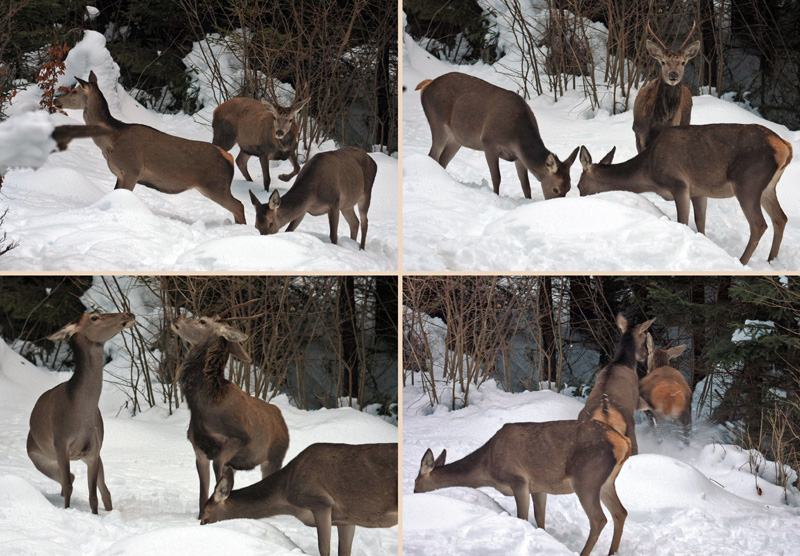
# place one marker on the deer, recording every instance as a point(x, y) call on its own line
point(615, 396)
point(326, 484)
point(331, 182)
point(665, 101)
point(261, 128)
point(137, 153)
point(66, 424)
point(227, 426)
point(664, 393)
point(464, 111)
point(691, 163)
point(527, 460)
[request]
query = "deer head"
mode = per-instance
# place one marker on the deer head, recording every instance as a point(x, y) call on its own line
point(77, 97)
point(284, 116)
point(673, 62)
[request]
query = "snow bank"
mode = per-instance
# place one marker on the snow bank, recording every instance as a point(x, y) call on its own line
point(25, 140)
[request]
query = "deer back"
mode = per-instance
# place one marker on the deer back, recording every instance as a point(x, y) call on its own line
point(245, 121)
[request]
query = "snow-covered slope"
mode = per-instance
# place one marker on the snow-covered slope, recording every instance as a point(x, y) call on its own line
point(150, 472)
point(700, 499)
point(67, 216)
point(453, 221)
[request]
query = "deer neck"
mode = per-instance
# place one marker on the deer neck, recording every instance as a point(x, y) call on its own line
point(87, 380)
point(668, 100)
point(533, 153)
point(625, 354)
point(294, 204)
point(631, 175)
point(266, 498)
point(470, 471)
point(202, 374)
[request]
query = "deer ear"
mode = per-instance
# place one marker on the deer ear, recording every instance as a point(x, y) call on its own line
point(269, 106)
point(238, 352)
point(609, 157)
point(692, 50)
point(571, 158)
point(80, 81)
point(586, 158)
point(654, 50)
point(66, 332)
point(298, 107)
point(254, 199)
point(551, 163)
point(231, 334)
point(223, 489)
point(274, 200)
point(427, 463)
point(676, 351)
point(92, 77)
point(622, 322)
point(645, 325)
point(441, 459)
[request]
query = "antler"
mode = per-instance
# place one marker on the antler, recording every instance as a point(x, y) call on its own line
point(272, 92)
point(689, 36)
point(656, 38)
point(298, 97)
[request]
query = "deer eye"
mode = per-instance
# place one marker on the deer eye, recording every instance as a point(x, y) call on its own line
point(202, 321)
point(95, 317)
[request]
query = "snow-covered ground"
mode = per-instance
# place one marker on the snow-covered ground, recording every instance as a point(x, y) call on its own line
point(67, 216)
point(699, 499)
point(453, 221)
point(150, 472)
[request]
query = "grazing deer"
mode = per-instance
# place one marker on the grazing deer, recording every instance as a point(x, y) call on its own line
point(615, 395)
point(465, 111)
point(665, 101)
point(344, 485)
point(65, 422)
point(328, 183)
point(537, 459)
point(261, 128)
point(227, 426)
point(664, 393)
point(692, 163)
point(138, 153)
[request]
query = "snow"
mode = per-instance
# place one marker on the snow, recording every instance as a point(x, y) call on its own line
point(150, 471)
point(453, 221)
point(66, 216)
point(699, 499)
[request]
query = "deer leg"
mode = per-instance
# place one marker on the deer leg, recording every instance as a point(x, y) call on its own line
point(589, 497)
point(439, 138)
point(66, 478)
point(685, 419)
point(363, 207)
point(752, 211)
point(322, 518)
point(346, 534)
point(769, 200)
point(101, 483)
point(494, 170)
point(522, 172)
point(296, 166)
point(699, 205)
point(241, 163)
point(630, 432)
point(264, 160)
point(608, 495)
point(224, 198)
point(45, 464)
point(91, 465)
point(295, 223)
point(352, 221)
point(333, 220)
point(682, 203)
point(203, 472)
point(449, 152)
point(539, 505)
point(228, 449)
point(269, 467)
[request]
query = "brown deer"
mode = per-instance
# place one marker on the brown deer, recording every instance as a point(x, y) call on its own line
point(138, 153)
point(465, 111)
point(615, 395)
point(665, 101)
point(261, 128)
point(63, 134)
point(664, 393)
point(328, 183)
point(344, 485)
point(537, 459)
point(65, 422)
point(227, 426)
point(691, 163)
